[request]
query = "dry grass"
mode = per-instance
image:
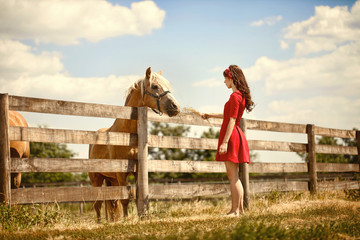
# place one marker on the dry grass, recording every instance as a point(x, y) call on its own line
point(189, 111)
point(272, 216)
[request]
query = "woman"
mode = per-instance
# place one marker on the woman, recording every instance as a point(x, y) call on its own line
point(232, 146)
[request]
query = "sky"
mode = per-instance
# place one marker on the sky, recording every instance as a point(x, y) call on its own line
point(300, 58)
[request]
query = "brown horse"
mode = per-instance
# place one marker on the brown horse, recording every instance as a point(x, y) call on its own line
point(18, 149)
point(152, 91)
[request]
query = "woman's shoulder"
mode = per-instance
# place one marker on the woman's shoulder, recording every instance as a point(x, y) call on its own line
point(236, 95)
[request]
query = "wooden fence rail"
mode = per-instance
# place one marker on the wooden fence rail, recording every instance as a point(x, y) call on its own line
point(140, 138)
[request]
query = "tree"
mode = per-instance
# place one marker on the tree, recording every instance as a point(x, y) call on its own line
point(333, 158)
point(351, 143)
point(207, 155)
point(51, 150)
point(165, 129)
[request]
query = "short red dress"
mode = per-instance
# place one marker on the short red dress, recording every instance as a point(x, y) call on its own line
point(238, 149)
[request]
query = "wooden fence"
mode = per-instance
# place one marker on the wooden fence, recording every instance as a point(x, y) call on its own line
point(143, 192)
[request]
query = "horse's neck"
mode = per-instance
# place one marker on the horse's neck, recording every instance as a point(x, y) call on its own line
point(134, 99)
point(124, 125)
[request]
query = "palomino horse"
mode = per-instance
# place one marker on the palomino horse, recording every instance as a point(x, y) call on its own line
point(154, 92)
point(18, 149)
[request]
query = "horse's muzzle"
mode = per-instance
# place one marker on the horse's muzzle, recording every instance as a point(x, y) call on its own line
point(172, 109)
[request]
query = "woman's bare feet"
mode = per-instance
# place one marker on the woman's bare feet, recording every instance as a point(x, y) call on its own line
point(232, 213)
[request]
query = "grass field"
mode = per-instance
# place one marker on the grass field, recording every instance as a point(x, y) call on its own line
point(326, 215)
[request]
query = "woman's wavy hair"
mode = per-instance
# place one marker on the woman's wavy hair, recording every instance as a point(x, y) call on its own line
point(241, 85)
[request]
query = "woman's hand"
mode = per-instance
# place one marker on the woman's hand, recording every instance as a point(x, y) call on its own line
point(223, 148)
point(205, 116)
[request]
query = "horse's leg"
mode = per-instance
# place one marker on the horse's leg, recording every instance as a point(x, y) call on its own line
point(109, 212)
point(113, 206)
point(107, 183)
point(97, 180)
point(122, 181)
point(15, 177)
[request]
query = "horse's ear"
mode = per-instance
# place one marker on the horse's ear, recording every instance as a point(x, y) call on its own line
point(160, 72)
point(148, 73)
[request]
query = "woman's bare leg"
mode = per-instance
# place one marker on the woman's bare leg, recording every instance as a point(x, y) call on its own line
point(236, 188)
point(241, 198)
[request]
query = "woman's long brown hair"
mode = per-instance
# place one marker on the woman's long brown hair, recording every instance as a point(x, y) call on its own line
point(241, 85)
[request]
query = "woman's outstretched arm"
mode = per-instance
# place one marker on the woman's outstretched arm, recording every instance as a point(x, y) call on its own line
point(211, 115)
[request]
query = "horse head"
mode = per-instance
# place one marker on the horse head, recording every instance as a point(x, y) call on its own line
point(155, 90)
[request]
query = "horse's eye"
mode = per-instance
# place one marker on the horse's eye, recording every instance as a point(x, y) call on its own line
point(154, 87)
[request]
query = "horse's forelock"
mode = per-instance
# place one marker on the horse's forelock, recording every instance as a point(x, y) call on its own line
point(162, 81)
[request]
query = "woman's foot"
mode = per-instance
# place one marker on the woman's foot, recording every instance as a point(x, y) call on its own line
point(232, 213)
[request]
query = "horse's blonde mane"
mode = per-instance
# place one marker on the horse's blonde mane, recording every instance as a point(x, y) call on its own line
point(160, 79)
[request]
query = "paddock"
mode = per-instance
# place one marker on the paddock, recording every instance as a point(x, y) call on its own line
point(142, 192)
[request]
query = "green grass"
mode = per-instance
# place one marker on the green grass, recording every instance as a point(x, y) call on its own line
point(327, 215)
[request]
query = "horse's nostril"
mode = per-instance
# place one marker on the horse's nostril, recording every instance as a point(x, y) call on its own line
point(174, 106)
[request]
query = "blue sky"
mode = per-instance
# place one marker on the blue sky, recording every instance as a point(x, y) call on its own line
point(301, 58)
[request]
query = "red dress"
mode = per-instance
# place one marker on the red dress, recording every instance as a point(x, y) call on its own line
point(238, 149)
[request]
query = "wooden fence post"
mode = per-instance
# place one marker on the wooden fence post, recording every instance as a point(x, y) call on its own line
point(358, 146)
point(5, 184)
point(244, 172)
point(142, 166)
point(312, 158)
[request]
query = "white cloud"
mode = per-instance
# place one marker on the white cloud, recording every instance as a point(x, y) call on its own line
point(325, 111)
point(269, 21)
point(67, 22)
point(325, 31)
point(284, 45)
point(26, 71)
point(212, 82)
point(335, 73)
point(18, 60)
point(328, 82)
point(108, 90)
point(23, 72)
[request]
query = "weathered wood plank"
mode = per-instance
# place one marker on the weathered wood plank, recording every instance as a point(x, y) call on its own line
point(187, 191)
point(311, 149)
point(195, 190)
point(71, 136)
point(341, 185)
point(275, 126)
point(5, 184)
point(124, 165)
point(72, 165)
point(70, 194)
point(337, 167)
point(182, 142)
point(277, 167)
point(331, 132)
point(244, 171)
point(211, 144)
point(143, 171)
point(193, 119)
point(186, 166)
point(184, 118)
point(39, 105)
point(358, 146)
point(330, 149)
point(262, 187)
point(276, 146)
